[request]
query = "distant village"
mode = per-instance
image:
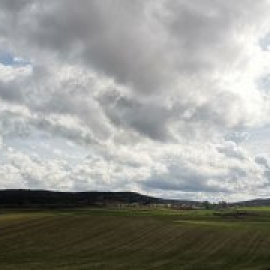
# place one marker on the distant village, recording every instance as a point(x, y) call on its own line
point(174, 206)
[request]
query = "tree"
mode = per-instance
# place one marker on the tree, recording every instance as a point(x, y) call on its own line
point(207, 205)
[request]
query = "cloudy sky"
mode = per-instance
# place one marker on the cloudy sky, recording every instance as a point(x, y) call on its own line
point(167, 98)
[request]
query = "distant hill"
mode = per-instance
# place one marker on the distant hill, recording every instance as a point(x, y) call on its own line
point(52, 198)
point(42, 198)
point(252, 203)
point(24, 198)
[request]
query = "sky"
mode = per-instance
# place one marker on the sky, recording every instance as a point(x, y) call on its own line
point(166, 98)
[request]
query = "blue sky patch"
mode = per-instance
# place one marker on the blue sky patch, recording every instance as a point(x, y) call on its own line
point(8, 59)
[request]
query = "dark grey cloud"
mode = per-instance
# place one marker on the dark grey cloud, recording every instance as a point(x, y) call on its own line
point(11, 92)
point(14, 5)
point(184, 183)
point(153, 48)
point(231, 150)
point(263, 161)
point(147, 118)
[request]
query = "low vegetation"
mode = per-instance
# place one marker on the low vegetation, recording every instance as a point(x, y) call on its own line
point(140, 238)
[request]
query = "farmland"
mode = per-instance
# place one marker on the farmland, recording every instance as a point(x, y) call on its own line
point(133, 239)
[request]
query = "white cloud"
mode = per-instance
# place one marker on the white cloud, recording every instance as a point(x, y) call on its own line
point(150, 89)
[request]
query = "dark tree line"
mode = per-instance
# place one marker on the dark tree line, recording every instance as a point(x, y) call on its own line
point(41, 198)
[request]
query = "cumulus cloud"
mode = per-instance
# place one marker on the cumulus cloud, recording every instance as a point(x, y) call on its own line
point(160, 94)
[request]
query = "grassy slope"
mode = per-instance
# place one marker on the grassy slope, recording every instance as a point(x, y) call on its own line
point(133, 239)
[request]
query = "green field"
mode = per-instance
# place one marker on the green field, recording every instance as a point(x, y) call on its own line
point(133, 239)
